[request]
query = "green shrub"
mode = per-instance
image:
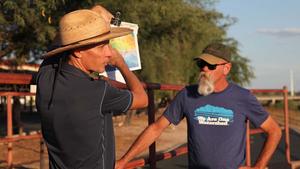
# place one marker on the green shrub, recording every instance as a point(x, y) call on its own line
point(293, 105)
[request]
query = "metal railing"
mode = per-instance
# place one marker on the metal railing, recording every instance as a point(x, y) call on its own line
point(10, 138)
point(6, 78)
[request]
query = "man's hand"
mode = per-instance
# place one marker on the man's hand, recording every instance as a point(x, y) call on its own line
point(106, 15)
point(120, 164)
point(116, 59)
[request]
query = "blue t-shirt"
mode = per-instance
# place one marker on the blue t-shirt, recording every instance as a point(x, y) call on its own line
point(216, 125)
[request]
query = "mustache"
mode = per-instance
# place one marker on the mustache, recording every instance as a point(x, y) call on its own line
point(204, 75)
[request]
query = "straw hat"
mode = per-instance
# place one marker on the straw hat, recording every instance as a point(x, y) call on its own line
point(81, 28)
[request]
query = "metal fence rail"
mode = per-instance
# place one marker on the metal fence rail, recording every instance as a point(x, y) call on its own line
point(10, 138)
point(8, 78)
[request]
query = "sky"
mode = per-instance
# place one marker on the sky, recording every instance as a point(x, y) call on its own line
point(268, 32)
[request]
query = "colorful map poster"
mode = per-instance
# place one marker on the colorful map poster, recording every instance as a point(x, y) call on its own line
point(129, 49)
point(128, 46)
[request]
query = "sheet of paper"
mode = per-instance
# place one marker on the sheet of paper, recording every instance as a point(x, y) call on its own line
point(128, 47)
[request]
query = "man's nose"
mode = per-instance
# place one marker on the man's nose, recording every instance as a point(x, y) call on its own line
point(107, 50)
point(205, 69)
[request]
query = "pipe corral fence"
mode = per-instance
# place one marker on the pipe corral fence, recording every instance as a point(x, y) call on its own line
point(11, 78)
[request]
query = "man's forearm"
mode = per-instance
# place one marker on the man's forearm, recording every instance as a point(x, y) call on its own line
point(148, 136)
point(132, 81)
point(135, 86)
point(269, 148)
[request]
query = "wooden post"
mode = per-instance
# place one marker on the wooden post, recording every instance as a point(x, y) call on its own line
point(151, 119)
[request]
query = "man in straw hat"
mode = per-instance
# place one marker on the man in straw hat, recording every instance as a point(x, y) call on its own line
point(216, 111)
point(76, 109)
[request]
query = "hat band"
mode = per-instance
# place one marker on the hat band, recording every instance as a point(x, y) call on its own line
point(78, 42)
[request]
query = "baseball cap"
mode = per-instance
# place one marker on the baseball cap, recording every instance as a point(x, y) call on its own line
point(215, 53)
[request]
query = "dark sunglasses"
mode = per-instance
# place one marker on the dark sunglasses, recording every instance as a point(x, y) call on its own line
point(201, 64)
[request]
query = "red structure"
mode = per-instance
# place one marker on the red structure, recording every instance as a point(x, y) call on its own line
point(8, 65)
point(6, 78)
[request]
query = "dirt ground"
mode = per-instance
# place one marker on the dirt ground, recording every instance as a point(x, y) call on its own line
point(26, 154)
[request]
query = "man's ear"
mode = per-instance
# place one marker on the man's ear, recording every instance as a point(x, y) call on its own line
point(227, 68)
point(77, 53)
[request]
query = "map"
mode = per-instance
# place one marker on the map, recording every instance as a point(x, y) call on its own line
point(129, 49)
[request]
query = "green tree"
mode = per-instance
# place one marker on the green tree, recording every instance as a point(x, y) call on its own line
point(171, 33)
point(28, 27)
point(24, 29)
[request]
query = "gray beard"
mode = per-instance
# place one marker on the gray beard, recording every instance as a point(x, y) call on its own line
point(205, 84)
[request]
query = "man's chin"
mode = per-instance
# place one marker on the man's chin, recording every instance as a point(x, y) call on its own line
point(205, 90)
point(204, 93)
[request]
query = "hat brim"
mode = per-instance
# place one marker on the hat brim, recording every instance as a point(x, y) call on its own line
point(114, 33)
point(211, 59)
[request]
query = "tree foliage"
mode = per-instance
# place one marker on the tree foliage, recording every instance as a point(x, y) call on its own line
point(23, 28)
point(171, 33)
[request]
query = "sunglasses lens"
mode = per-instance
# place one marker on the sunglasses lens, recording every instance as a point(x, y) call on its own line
point(201, 64)
point(211, 67)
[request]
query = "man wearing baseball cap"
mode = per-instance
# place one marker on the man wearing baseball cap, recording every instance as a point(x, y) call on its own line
point(216, 111)
point(76, 109)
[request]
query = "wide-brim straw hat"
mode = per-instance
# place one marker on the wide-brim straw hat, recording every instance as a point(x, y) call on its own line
point(83, 27)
